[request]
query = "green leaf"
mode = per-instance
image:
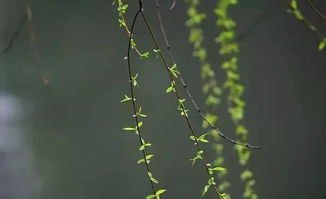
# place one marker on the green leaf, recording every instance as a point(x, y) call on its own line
point(173, 71)
point(202, 138)
point(293, 4)
point(144, 55)
point(211, 118)
point(142, 147)
point(322, 44)
point(140, 114)
point(140, 124)
point(198, 156)
point(223, 195)
point(129, 129)
point(150, 175)
point(125, 99)
point(148, 157)
point(134, 80)
point(246, 174)
point(218, 169)
point(211, 170)
point(205, 190)
point(150, 196)
point(159, 192)
point(169, 89)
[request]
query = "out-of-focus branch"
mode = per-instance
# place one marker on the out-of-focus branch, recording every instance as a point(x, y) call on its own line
point(15, 35)
point(316, 10)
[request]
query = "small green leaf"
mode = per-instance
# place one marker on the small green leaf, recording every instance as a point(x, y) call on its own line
point(294, 4)
point(140, 124)
point(221, 169)
point(202, 138)
point(148, 157)
point(159, 192)
point(125, 99)
point(129, 129)
point(144, 55)
point(205, 190)
point(218, 169)
point(322, 44)
point(142, 147)
point(150, 175)
point(223, 195)
point(169, 89)
point(140, 114)
point(134, 80)
point(198, 156)
point(246, 174)
point(150, 196)
point(173, 71)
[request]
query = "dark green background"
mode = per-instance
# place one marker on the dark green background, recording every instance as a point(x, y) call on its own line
point(74, 124)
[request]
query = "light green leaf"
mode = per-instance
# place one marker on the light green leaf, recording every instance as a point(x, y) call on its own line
point(142, 147)
point(322, 44)
point(159, 192)
point(129, 129)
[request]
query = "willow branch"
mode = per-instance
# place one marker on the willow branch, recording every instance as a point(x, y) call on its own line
point(15, 35)
point(133, 95)
point(184, 85)
point(316, 10)
point(177, 95)
point(36, 52)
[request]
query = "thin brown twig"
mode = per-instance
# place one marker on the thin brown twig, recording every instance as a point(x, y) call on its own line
point(316, 10)
point(306, 22)
point(192, 131)
point(184, 85)
point(36, 52)
point(15, 35)
point(133, 95)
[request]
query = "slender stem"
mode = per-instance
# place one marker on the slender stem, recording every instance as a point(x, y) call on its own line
point(133, 95)
point(316, 10)
point(184, 85)
point(173, 4)
point(192, 131)
point(306, 22)
point(15, 35)
point(36, 52)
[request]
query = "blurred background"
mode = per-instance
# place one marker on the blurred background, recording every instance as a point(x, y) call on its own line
point(65, 139)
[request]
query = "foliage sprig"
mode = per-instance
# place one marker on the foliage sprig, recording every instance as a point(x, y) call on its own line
point(210, 87)
point(229, 51)
point(137, 110)
point(295, 11)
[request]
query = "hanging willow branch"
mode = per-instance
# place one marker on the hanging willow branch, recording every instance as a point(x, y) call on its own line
point(294, 10)
point(137, 111)
point(200, 155)
point(36, 53)
point(184, 85)
point(28, 17)
point(210, 87)
point(15, 35)
point(316, 10)
point(229, 52)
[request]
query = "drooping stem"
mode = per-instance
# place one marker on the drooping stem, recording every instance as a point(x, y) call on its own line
point(133, 97)
point(36, 52)
point(183, 109)
point(184, 85)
